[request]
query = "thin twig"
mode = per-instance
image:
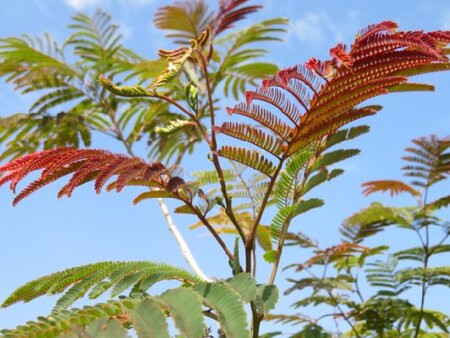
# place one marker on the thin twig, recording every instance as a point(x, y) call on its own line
point(250, 243)
point(213, 145)
point(425, 245)
point(208, 225)
point(336, 304)
point(296, 197)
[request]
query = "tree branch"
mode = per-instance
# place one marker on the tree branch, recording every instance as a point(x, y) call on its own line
point(215, 158)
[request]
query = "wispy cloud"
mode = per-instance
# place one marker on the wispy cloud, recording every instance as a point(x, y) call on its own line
point(316, 27)
point(136, 2)
point(82, 4)
point(125, 30)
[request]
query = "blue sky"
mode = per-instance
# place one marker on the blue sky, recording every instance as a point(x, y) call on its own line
point(43, 234)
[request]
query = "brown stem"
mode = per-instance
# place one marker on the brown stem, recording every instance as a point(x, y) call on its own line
point(250, 242)
point(211, 229)
point(280, 246)
point(296, 198)
point(336, 304)
point(425, 245)
point(213, 145)
point(256, 320)
point(176, 104)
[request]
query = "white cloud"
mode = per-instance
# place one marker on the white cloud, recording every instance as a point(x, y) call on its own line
point(125, 30)
point(82, 4)
point(136, 2)
point(308, 28)
point(315, 27)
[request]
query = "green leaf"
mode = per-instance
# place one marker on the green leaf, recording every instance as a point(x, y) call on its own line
point(184, 209)
point(75, 320)
point(127, 91)
point(306, 205)
point(263, 237)
point(98, 276)
point(186, 310)
point(384, 275)
point(334, 157)
point(249, 158)
point(228, 306)
point(191, 95)
point(235, 264)
point(149, 320)
point(313, 331)
point(373, 219)
point(153, 194)
point(440, 203)
point(245, 285)
point(346, 134)
point(106, 328)
point(266, 297)
point(269, 256)
point(285, 184)
point(238, 65)
point(173, 127)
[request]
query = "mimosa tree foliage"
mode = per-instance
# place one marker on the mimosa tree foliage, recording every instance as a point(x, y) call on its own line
point(291, 128)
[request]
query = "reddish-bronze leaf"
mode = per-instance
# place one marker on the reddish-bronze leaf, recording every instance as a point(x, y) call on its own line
point(392, 186)
point(231, 11)
point(336, 252)
point(320, 97)
point(84, 165)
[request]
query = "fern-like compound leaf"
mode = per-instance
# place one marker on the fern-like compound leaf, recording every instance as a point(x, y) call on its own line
point(259, 138)
point(188, 319)
point(384, 275)
point(85, 165)
point(146, 315)
point(287, 213)
point(149, 320)
point(346, 134)
point(250, 158)
point(187, 19)
point(127, 91)
point(228, 307)
point(177, 58)
point(266, 297)
point(392, 186)
point(427, 161)
point(244, 284)
point(373, 219)
point(318, 98)
point(98, 277)
point(285, 187)
point(230, 12)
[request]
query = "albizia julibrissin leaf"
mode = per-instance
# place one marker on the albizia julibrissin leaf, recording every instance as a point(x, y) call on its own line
point(188, 18)
point(428, 161)
point(392, 186)
point(316, 100)
point(319, 97)
point(84, 165)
